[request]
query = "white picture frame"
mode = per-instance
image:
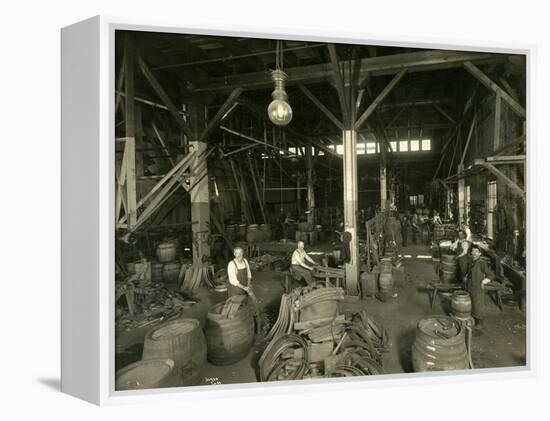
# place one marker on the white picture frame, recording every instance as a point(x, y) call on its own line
point(88, 219)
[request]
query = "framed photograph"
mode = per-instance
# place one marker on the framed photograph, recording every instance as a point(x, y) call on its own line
point(246, 210)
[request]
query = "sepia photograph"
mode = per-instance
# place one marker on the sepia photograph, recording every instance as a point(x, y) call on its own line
point(286, 209)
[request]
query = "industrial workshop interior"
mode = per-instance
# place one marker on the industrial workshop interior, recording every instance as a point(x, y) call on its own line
point(298, 210)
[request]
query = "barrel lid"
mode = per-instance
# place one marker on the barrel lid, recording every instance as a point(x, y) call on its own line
point(176, 327)
point(439, 327)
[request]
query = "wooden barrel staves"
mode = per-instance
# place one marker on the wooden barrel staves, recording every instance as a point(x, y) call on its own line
point(439, 345)
point(170, 272)
point(240, 232)
point(266, 231)
point(156, 272)
point(253, 234)
point(368, 282)
point(166, 252)
point(229, 339)
point(181, 340)
point(448, 268)
point(385, 285)
point(230, 232)
point(147, 374)
point(461, 305)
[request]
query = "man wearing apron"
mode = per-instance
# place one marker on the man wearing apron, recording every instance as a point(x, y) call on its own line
point(238, 272)
point(480, 274)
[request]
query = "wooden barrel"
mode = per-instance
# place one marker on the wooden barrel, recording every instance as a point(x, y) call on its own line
point(148, 374)
point(240, 232)
point(229, 339)
point(253, 234)
point(439, 345)
point(181, 340)
point(461, 304)
point(267, 232)
point(156, 271)
point(439, 232)
point(166, 251)
point(385, 282)
point(231, 232)
point(170, 272)
point(448, 268)
point(368, 282)
point(386, 264)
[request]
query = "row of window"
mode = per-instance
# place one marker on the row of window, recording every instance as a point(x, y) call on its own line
point(370, 148)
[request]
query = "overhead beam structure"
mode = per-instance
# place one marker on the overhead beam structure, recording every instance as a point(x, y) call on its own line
point(373, 66)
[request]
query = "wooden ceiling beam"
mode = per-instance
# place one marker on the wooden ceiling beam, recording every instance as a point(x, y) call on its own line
point(375, 66)
point(489, 84)
point(320, 105)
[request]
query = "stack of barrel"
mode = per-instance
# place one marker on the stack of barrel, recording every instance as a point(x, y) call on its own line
point(307, 233)
point(448, 269)
point(385, 279)
point(450, 232)
point(174, 354)
point(229, 331)
point(167, 268)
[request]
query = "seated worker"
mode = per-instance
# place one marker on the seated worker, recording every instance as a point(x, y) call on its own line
point(299, 265)
point(238, 272)
point(480, 273)
point(436, 218)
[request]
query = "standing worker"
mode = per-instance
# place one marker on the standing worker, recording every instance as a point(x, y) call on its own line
point(238, 272)
point(405, 230)
point(480, 274)
point(299, 265)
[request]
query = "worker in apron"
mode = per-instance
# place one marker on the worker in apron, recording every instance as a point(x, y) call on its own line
point(239, 275)
point(480, 274)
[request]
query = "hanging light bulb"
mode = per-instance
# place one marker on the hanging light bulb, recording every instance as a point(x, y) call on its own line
point(279, 110)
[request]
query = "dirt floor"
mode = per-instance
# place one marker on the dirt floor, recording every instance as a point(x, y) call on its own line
point(501, 342)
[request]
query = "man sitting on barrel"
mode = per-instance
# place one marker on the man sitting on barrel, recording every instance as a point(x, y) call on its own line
point(299, 265)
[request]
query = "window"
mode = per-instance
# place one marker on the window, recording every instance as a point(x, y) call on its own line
point(371, 147)
point(415, 145)
point(491, 206)
point(360, 149)
point(403, 146)
point(426, 144)
point(340, 149)
point(393, 146)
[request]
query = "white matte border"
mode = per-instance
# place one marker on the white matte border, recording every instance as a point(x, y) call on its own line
point(106, 215)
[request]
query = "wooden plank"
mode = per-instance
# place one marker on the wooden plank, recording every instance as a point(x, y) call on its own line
point(444, 113)
point(488, 83)
point(496, 133)
point(499, 174)
point(468, 139)
point(379, 99)
point(505, 159)
point(226, 106)
point(164, 98)
point(184, 163)
point(163, 144)
point(375, 66)
point(338, 81)
point(319, 105)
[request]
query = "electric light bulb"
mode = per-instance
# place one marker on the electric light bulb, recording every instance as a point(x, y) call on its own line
point(279, 112)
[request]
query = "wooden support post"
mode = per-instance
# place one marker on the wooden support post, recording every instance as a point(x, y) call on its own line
point(461, 194)
point(349, 139)
point(221, 114)
point(130, 128)
point(496, 138)
point(338, 81)
point(310, 186)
